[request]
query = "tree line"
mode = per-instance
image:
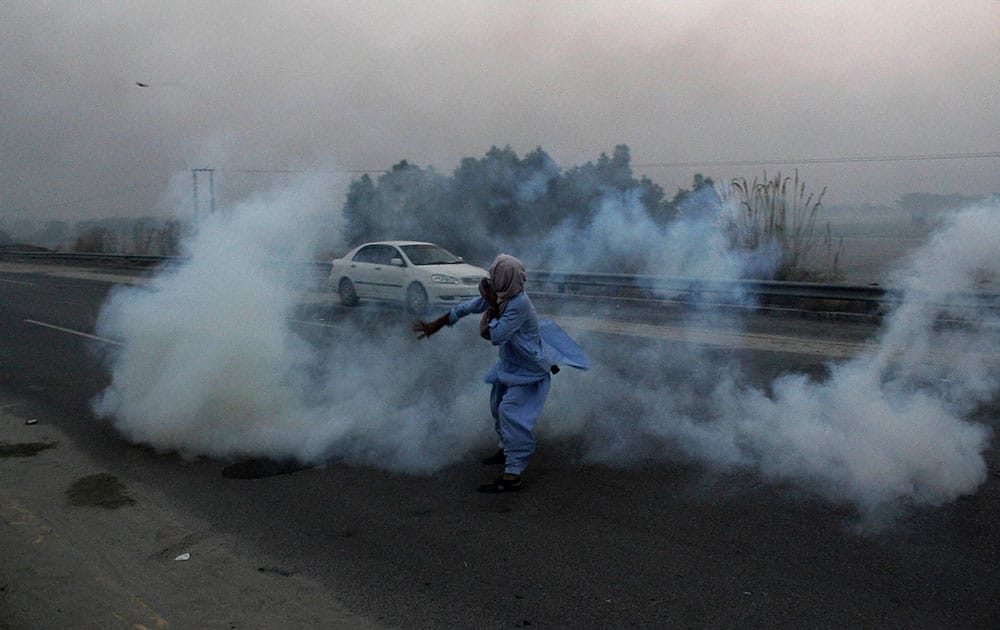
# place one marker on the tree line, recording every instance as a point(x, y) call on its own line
point(498, 198)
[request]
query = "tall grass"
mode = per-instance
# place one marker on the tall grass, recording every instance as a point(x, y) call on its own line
point(779, 212)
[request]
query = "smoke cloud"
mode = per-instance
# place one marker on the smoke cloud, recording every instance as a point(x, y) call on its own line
point(883, 431)
point(621, 234)
point(214, 363)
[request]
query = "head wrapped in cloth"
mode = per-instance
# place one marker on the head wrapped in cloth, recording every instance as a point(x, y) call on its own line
point(508, 276)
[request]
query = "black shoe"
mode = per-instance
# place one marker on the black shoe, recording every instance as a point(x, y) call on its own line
point(504, 483)
point(495, 458)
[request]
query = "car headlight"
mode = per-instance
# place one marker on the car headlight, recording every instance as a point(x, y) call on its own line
point(443, 279)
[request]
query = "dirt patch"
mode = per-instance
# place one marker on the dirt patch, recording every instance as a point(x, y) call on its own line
point(100, 490)
point(24, 449)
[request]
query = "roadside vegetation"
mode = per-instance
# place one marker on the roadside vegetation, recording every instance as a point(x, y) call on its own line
point(122, 235)
point(778, 213)
point(139, 238)
point(502, 199)
point(498, 198)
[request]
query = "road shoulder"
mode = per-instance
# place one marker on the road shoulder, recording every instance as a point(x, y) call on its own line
point(82, 548)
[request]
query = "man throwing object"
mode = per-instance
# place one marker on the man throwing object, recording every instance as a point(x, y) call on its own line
point(530, 352)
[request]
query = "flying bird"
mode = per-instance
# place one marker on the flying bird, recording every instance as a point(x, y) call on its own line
point(141, 84)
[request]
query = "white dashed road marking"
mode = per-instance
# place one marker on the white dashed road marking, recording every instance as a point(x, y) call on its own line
point(73, 332)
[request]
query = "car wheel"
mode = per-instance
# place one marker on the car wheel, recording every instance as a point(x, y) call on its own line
point(416, 299)
point(348, 296)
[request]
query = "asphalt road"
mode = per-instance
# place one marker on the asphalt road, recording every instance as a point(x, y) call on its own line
point(661, 544)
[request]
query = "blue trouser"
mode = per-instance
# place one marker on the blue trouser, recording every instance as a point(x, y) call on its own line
point(515, 409)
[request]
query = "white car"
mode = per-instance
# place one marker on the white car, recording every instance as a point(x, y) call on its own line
point(414, 273)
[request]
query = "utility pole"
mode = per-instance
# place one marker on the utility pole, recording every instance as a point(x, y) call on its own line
point(194, 190)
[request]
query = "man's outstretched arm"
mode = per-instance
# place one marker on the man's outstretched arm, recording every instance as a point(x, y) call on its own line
point(426, 329)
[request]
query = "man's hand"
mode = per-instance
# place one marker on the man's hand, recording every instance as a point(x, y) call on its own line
point(488, 294)
point(426, 329)
point(484, 322)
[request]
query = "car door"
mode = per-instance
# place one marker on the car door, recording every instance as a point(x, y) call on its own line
point(389, 279)
point(361, 271)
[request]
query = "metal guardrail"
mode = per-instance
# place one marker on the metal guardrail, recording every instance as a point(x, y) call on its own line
point(579, 285)
point(698, 290)
point(125, 260)
point(869, 300)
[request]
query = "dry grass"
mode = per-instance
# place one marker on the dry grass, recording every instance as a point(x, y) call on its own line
point(780, 212)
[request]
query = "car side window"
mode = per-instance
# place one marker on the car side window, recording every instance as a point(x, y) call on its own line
point(366, 254)
point(384, 255)
point(394, 253)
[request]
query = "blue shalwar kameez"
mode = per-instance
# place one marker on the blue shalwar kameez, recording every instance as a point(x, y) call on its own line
point(520, 380)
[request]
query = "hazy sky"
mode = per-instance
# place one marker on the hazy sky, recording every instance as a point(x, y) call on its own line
point(329, 86)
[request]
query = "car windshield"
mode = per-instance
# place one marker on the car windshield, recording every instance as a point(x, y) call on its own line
point(429, 255)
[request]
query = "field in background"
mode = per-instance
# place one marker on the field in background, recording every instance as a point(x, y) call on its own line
point(874, 243)
point(866, 259)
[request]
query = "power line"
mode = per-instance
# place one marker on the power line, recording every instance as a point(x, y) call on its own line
point(690, 164)
point(826, 160)
point(298, 171)
point(813, 160)
point(757, 162)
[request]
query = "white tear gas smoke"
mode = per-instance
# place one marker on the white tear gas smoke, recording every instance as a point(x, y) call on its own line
point(213, 364)
point(883, 431)
point(622, 235)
